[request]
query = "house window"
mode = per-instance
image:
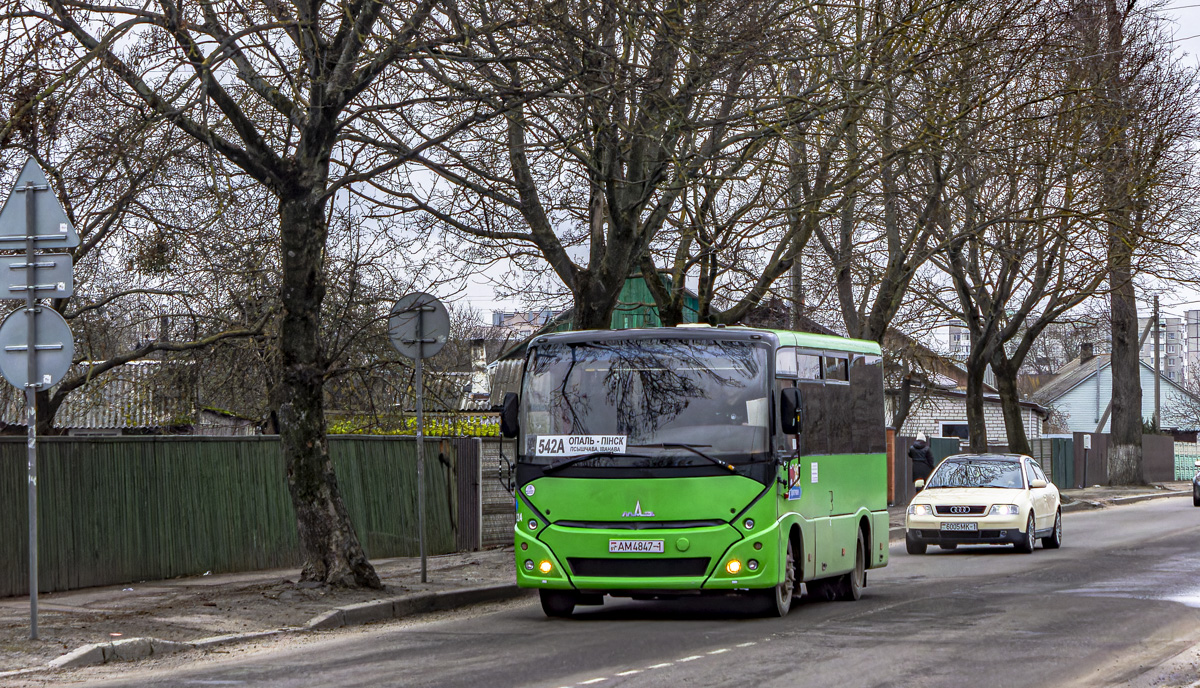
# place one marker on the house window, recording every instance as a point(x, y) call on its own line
point(1171, 375)
point(1170, 361)
point(1170, 335)
point(1170, 348)
point(956, 428)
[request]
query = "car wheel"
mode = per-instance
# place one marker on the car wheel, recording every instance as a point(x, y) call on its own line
point(1054, 539)
point(778, 600)
point(1195, 495)
point(949, 546)
point(913, 546)
point(557, 603)
point(851, 584)
point(1025, 546)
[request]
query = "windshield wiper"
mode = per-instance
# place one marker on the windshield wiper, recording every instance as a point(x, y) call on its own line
point(550, 468)
point(693, 448)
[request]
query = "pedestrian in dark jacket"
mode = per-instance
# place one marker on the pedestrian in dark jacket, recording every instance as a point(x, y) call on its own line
point(922, 458)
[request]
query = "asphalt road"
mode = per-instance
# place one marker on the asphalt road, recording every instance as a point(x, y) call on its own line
point(1121, 595)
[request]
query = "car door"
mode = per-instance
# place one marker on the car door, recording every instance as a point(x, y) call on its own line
point(1037, 497)
point(1049, 493)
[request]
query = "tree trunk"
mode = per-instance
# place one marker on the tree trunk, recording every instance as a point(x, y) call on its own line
point(1010, 398)
point(330, 547)
point(594, 304)
point(1125, 452)
point(976, 420)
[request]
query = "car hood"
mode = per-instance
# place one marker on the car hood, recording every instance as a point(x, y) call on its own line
point(969, 495)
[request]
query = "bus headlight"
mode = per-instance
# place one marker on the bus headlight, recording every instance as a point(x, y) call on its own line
point(545, 567)
point(734, 566)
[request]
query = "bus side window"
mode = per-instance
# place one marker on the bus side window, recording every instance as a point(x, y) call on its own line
point(814, 401)
point(866, 383)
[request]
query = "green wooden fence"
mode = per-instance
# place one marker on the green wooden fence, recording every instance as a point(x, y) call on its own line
point(115, 510)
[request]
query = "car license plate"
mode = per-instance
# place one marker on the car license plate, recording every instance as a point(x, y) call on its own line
point(616, 546)
point(960, 525)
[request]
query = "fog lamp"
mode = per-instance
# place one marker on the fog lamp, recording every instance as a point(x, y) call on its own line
point(752, 564)
point(734, 566)
point(528, 564)
point(545, 567)
point(749, 523)
point(533, 524)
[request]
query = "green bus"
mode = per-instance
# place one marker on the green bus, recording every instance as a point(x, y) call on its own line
point(667, 462)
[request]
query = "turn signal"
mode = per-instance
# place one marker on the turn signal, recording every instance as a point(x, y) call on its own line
point(734, 566)
point(545, 567)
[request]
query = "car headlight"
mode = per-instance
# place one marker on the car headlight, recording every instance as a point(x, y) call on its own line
point(920, 510)
point(1004, 510)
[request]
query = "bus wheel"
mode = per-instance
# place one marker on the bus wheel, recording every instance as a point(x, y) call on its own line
point(557, 603)
point(778, 600)
point(851, 584)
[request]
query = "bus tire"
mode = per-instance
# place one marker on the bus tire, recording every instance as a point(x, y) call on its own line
point(850, 585)
point(777, 601)
point(557, 603)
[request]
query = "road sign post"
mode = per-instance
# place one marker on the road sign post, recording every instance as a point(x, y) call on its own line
point(418, 328)
point(21, 223)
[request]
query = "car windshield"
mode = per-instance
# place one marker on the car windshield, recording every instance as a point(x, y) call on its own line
point(977, 472)
point(647, 396)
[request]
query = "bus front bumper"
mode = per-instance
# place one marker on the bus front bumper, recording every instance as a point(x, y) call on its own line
point(672, 561)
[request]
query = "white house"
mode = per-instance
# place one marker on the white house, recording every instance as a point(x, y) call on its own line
point(1081, 390)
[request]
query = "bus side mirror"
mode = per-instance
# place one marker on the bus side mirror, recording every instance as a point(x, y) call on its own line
point(789, 409)
point(508, 415)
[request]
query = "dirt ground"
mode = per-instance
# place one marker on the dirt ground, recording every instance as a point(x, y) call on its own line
point(187, 609)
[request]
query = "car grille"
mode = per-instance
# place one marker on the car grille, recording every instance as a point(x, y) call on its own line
point(957, 510)
point(638, 568)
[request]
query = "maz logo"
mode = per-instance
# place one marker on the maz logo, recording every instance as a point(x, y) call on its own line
point(637, 512)
point(960, 509)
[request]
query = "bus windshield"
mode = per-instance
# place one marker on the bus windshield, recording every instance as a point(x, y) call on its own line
point(634, 402)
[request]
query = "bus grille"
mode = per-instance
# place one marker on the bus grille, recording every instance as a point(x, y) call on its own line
point(638, 568)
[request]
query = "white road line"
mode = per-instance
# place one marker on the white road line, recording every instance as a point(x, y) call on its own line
point(631, 672)
point(745, 644)
point(594, 680)
point(688, 659)
point(660, 666)
point(717, 652)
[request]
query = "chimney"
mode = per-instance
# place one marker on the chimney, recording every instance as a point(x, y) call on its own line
point(1085, 352)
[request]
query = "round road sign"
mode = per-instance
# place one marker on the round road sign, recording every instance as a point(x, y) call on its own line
point(419, 325)
point(55, 347)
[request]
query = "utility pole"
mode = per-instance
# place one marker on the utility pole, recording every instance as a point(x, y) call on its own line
point(1157, 370)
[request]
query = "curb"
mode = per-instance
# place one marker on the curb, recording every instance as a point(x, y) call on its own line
point(350, 615)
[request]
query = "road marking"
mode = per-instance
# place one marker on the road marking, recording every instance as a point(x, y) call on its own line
point(594, 680)
point(660, 666)
point(717, 652)
point(746, 644)
point(688, 659)
point(631, 672)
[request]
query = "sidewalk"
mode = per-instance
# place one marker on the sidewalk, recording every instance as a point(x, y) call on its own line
point(97, 624)
point(213, 607)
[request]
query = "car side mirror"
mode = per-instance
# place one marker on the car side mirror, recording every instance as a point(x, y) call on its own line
point(1198, 464)
point(508, 415)
point(790, 411)
point(1037, 483)
point(919, 485)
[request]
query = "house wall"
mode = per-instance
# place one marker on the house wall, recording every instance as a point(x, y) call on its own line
point(1083, 405)
point(929, 412)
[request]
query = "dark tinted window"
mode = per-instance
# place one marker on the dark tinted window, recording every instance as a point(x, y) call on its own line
point(815, 402)
point(866, 382)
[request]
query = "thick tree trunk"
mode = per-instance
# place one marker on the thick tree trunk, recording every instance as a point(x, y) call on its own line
point(976, 421)
point(1125, 452)
point(1010, 398)
point(330, 547)
point(594, 304)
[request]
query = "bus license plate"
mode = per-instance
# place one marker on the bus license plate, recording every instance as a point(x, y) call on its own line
point(960, 525)
point(615, 546)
